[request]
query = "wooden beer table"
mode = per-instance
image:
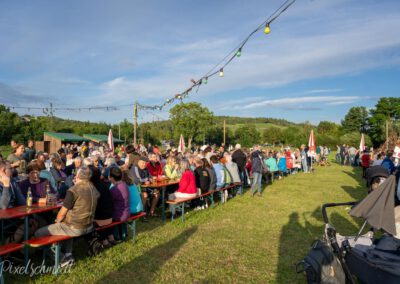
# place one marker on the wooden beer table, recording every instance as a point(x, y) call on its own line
point(162, 185)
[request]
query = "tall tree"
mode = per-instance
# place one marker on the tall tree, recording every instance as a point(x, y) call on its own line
point(356, 120)
point(387, 110)
point(247, 135)
point(192, 120)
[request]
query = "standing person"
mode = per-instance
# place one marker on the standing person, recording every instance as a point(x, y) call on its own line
point(304, 158)
point(342, 154)
point(30, 151)
point(76, 216)
point(257, 170)
point(239, 157)
point(352, 156)
point(365, 162)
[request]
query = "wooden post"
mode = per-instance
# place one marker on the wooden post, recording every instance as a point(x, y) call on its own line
point(135, 114)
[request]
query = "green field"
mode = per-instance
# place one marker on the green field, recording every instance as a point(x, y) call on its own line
point(248, 239)
point(260, 126)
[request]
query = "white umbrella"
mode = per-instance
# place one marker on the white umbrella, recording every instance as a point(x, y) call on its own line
point(362, 143)
point(111, 140)
point(181, 148)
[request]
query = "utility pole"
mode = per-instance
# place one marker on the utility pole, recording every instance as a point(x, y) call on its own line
point(119, 131)
point(224, 132)
point(135, 115)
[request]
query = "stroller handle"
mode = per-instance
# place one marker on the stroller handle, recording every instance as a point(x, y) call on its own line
point(325, 216)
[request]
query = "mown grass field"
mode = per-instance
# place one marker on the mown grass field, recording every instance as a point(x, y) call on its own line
point(247, 240)
point(260, 126)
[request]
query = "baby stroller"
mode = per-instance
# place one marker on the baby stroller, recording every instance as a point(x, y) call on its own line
point(359, 258)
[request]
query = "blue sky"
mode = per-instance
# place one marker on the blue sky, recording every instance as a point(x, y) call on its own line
point(321, 58)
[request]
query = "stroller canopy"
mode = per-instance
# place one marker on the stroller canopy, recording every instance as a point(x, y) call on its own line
point(376, 171)
point(378, 207)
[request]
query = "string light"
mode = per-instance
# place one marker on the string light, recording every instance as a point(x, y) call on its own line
point(267, 29)
point(205, 80)
point(239, 52)
point(221, 72)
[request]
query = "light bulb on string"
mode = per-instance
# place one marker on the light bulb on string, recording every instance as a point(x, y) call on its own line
point(267, 29)
point(239, 52)
point(205, 80)
point(221, 72)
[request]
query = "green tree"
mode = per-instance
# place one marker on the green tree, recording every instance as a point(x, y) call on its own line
point(386, 110)
point(192, 120)
point(356, 120)
point(327, 128)
point(9, 125)
point(247, 135)
point(273, 135)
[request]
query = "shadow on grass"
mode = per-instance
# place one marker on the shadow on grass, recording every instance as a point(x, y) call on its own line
point(296, 239)
point(144, 268)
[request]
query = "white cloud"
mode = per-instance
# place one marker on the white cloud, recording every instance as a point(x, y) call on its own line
point(298, 101)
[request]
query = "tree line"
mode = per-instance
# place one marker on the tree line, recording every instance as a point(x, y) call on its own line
point(199, 125)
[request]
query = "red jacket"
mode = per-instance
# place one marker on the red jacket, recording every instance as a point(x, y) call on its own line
point(365, 160)
point(155, 170)
point(187, 183)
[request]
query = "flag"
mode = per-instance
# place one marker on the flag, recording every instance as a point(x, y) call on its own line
point(111, 140)
point(311, 143)
point(362, 143)
point(181, 147)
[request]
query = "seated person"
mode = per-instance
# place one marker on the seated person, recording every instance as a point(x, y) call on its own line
point(282, 164)
point(75, 217)
point(154, 166)
point(142, 176)
point(10, 194)
point(104, 209)
point(202, 176)
point(46, 174)
point(74, 167)
point(187, 185)
point(219, 171)
point(120, 195)
point(271, 163)
point(59, 177)
point(35, 183)
point(211, 172)
point(171, 169)
point(233, 170)
point(16, 158)
point(135, 201)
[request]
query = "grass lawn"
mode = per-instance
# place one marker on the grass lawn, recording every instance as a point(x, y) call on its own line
point(260, 126)
point(247, 240)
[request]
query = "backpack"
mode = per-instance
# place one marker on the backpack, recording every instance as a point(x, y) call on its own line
point(321, 265)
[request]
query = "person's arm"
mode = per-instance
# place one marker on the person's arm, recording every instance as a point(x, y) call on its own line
point(19, 197)
point(67, 205)
point(5, 195)
point(61, 215)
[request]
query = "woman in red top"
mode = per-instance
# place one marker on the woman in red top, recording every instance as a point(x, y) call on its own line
point(365, 162)
point(187, 185)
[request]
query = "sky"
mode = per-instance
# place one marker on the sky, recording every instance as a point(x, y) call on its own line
point(321, 58)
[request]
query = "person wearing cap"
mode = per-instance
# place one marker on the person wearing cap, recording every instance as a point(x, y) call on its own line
point(76, 216)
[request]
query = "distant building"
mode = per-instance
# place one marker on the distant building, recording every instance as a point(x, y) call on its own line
point(52, 141)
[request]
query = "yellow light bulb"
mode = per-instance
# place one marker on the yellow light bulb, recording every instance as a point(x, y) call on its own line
point(221, 72)
point(267, 29)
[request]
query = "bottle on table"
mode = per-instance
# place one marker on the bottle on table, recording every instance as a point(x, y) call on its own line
point(29, 198)
point(48, 194)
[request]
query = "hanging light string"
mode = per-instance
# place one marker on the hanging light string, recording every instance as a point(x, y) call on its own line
point(218, 68)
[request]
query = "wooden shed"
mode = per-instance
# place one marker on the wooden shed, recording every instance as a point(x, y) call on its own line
point(99, 138)
point(52, 141)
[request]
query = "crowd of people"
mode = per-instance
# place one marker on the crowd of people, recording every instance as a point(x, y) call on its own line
point(98, 185)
